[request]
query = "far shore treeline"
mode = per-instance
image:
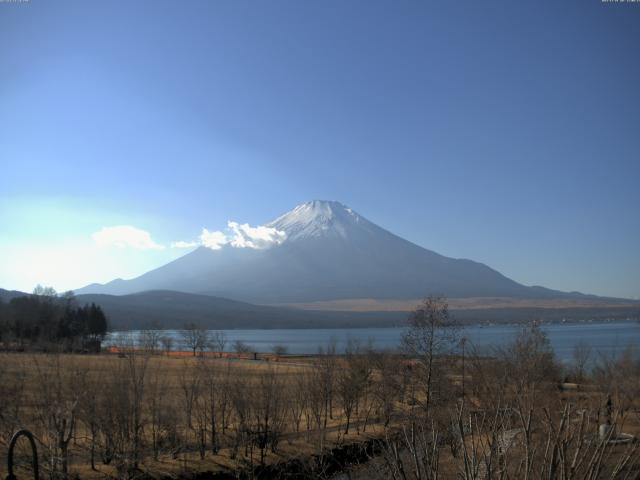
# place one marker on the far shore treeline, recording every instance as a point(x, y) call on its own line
point(45, 319)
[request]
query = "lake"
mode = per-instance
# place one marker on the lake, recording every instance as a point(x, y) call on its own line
point(605, 338)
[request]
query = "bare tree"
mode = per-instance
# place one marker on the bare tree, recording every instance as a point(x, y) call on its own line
point(321, 383)
point(136, 382)
point(201, 408)
point(213, 392)
point(121, 412)
point(224, 398)
point(195, 337)
point(150, 337)
point(189, 381)
point(298, 401)
point(326, 365)
point(412, 453)
point(241, 347)
point(219, 341)
point(167, 343)
point(581, 356)
point(161, 414)
point(388, 388)
point(268, 411)
point(529, 364)
point(280, 350)
point(57, 407)
point(352, 380)
point(240, 397)
point(618, 374)
point(431, 333)
point(92, 385)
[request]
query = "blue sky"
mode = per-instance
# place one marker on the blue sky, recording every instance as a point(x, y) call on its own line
point(505, 132)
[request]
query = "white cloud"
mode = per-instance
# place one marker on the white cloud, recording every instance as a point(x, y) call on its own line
point(239, 236)
point(123, 236)
point(245, 236)
point(183, 244)
point(213, 240)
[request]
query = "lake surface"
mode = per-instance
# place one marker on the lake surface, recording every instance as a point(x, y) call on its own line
point(605, 338)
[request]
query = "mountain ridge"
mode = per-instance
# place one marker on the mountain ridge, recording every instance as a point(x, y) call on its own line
point(170, 309)
point(326, 251)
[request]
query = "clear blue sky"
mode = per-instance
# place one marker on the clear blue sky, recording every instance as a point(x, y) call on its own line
point(507, 132)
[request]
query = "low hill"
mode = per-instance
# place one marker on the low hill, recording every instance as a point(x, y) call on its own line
point(7, 295)
point(172, 309)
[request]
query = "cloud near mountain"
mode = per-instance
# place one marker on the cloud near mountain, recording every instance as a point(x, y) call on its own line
point(183, 244)
point(123, 236)
point(245, 236)
point(213, 240)
point(240, 235)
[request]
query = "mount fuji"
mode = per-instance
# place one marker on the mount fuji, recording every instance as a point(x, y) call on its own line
point(324, 251)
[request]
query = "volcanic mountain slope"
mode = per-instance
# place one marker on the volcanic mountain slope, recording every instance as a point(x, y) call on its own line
point(328, 252)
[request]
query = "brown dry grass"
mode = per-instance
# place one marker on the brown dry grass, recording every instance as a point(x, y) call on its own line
point(172, 368)
point(293, 444)
point(472, 303)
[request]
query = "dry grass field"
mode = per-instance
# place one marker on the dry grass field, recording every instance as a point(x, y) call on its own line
point(469, 303)
point(179, 396)
point(421, 416)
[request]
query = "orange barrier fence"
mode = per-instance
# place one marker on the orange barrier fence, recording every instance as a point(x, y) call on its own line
point(186, 354)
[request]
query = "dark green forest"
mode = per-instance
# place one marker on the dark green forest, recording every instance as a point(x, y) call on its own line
point(45, 319)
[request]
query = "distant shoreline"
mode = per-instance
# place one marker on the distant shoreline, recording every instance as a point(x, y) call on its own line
point(462, 324)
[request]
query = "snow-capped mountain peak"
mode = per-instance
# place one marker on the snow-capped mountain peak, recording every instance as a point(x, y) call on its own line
point(324, 251)
point(319, 218)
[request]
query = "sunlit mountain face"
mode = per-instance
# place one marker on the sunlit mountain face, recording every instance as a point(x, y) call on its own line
point(319, 251)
